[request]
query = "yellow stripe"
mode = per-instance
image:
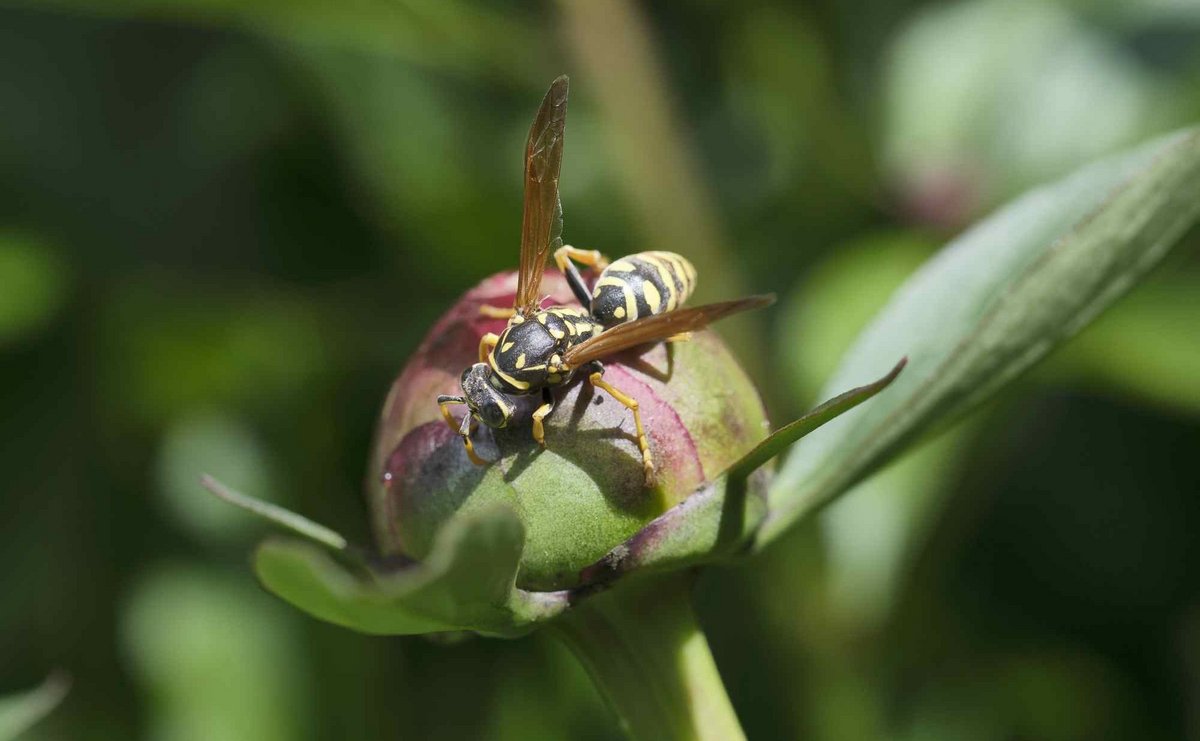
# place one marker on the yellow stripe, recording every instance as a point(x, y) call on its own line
point(687, 274)
point(677, 276)
point(653, 298)
point(507, 378)
point(664, 273)
point(631, 309)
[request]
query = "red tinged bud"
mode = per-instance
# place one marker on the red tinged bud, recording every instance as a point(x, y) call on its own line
point(585, 492)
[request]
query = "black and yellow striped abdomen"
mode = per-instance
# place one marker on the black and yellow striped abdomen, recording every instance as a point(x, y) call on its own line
point(642, 285)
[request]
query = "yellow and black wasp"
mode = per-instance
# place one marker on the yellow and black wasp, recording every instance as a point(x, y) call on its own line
point(635, 300)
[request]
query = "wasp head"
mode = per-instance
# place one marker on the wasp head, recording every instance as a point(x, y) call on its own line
point(486, 402)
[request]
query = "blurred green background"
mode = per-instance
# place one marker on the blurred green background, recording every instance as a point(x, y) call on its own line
point(225, 225)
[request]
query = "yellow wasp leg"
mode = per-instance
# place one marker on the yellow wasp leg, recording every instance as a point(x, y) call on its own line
point(471, 452)
point(444, 403)
point(539, 414)
point(591, 258)
point(681, 337)
point(539, 429)
point(497, 312)
point(486, 344)
point(444, 406)
point(632, 405)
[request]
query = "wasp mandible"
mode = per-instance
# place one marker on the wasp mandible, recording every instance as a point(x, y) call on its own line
point(635, 300)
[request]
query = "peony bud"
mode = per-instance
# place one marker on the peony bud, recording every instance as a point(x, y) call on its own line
point(585, 492)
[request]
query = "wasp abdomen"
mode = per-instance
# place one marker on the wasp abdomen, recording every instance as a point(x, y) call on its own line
point(642, 285)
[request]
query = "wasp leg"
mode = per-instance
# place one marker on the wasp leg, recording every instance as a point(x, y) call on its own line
point(464, 428)
point(486, 344)
point(592, 258)
point(539, 414)
point(464, 431)
point(497, 312)
point(444, 403)
point(681, 337)
point(597, 380)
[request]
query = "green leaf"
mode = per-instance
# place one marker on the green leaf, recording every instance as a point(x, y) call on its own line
point(19, 712)
point(992, 303)
point(466, 583)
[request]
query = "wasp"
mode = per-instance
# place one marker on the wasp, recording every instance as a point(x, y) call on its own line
point(635, 300)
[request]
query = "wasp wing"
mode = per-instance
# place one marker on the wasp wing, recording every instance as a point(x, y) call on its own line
point(541, 224)
point(655, 328)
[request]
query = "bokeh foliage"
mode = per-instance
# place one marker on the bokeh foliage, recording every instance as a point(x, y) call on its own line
point(225, 225)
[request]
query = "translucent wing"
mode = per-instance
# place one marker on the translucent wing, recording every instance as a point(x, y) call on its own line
point(660, 327)
point(541, 225)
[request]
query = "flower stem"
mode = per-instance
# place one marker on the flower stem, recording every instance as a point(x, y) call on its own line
point(643, 648)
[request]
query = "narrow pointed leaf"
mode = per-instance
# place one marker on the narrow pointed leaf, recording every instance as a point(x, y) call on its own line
point(719, 518)
point(992, 303)
point(785, 436)
point(465, 584)
point(276, 515)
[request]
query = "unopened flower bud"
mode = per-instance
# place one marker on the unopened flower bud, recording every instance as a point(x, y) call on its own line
point(585, 492)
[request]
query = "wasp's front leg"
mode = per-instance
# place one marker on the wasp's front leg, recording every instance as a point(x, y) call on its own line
point(463, 428)
point(539, 414)
point(464, 431)
point(444, 402)
point(487, 343)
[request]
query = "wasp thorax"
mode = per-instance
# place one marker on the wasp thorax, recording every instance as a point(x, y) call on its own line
point(488, 404)
point(585, 492)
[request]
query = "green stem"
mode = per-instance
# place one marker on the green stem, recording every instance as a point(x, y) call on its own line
point(643, 648)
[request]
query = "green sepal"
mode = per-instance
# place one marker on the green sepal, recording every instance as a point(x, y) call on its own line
point(992, 303)
point(466, 583)
point(277, 515)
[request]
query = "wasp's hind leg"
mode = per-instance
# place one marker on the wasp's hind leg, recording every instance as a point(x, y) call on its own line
point(539, 414)
point(597, 380)
point(563, 257)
